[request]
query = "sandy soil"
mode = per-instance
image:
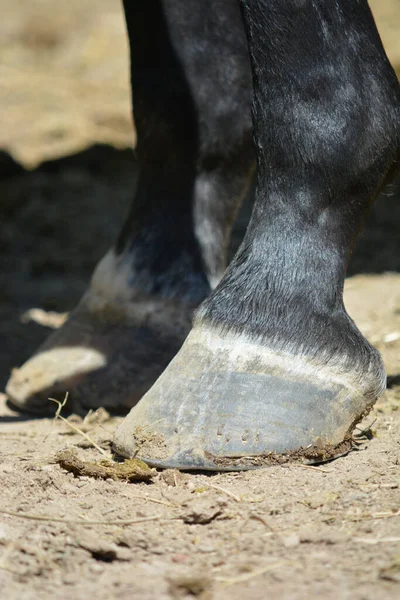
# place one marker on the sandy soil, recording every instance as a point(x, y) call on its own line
point(294, 532)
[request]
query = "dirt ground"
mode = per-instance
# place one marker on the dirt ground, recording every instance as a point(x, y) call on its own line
point(67, 174)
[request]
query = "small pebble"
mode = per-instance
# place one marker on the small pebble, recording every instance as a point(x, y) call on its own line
point(291, 541)
point(96, 568)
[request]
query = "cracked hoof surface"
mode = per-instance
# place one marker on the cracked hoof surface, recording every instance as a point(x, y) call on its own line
point(226, 403)
point(101, 358)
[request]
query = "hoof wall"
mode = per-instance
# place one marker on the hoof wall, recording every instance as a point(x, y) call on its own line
point(207, 412)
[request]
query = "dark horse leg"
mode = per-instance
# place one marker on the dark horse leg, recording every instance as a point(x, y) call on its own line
point(273, 362)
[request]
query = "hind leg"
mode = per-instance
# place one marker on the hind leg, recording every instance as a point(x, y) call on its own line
point(191, 91)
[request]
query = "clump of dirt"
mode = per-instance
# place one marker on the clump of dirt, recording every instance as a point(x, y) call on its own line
point(197, 585)
point(311, 455)
point(131, 469)
point(150, 444)
point(200, 512)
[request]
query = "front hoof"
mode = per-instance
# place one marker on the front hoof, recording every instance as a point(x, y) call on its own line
point(227, 403)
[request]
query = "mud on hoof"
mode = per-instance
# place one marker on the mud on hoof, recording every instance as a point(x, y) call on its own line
point(226, 403)
point(101, 357)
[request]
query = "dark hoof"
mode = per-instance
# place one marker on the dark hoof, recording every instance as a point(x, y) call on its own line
point(225, 403)
point(101, 358)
